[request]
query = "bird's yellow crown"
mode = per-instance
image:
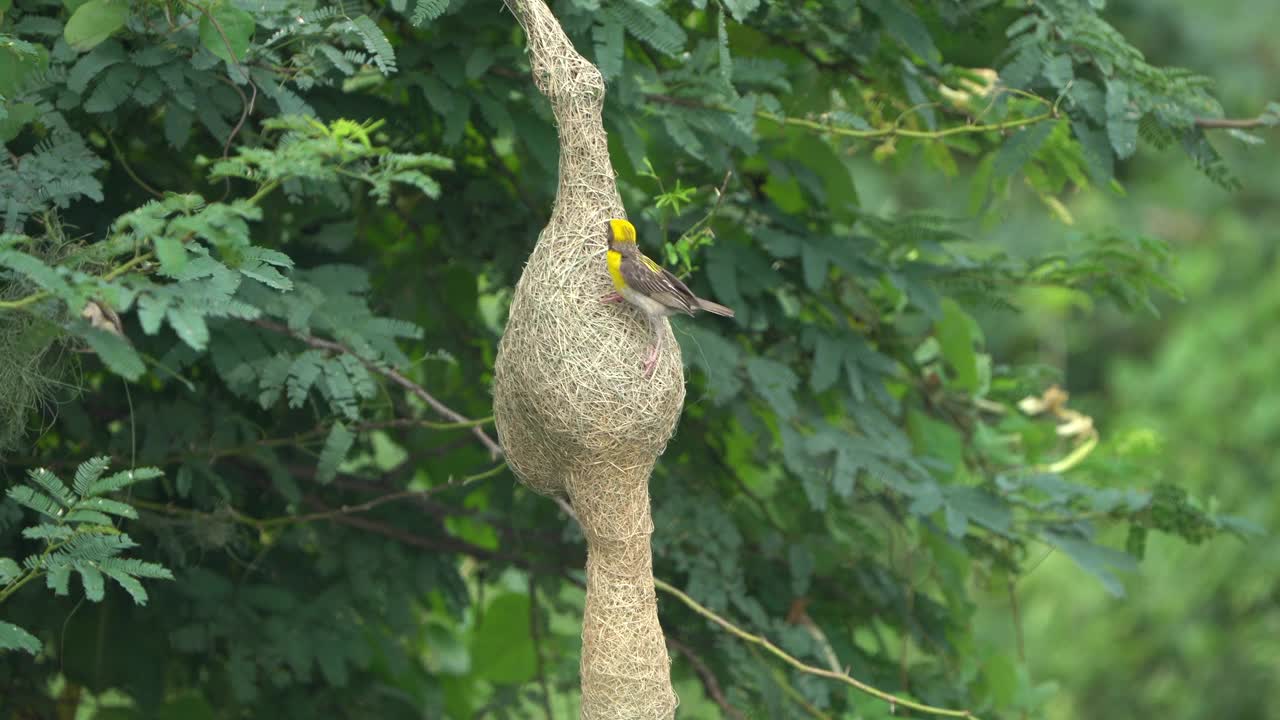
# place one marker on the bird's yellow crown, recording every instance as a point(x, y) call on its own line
point(622, 231)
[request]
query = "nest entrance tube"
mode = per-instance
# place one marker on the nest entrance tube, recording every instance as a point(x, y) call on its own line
point(575, 415)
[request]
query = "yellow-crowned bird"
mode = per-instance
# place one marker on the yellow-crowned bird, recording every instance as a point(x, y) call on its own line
point(650, 287)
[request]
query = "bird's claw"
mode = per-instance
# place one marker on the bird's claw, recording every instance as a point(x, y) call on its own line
point(612, 297)
point(651, 363)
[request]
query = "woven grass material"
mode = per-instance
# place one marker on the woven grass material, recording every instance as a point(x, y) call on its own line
point(573, 411)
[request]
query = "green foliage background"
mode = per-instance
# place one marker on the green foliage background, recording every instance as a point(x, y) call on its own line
point(303, 212)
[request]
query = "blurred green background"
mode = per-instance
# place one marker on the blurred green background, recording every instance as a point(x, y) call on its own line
point(1198, 635)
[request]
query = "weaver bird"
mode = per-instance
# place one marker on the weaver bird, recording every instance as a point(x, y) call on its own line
point(650, 287)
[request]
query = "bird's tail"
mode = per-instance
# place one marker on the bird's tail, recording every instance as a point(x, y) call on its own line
point(716, 308)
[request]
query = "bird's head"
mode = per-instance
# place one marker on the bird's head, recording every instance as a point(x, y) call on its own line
point(622, 236)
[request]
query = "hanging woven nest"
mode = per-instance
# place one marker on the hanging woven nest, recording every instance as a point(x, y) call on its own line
point(574, 412)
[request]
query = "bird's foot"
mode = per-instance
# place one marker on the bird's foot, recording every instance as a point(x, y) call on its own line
point(612, 297)
point(651, 363)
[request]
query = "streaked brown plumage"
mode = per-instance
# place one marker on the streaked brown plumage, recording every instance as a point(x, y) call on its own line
point(649, 286)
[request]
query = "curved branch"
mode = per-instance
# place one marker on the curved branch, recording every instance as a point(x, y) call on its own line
point(495, 450)
point(893, 700)
point(709, 680)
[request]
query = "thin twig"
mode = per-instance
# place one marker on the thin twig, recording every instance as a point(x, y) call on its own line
point(391, 374)
point(815, 632)
point(780, 679)
point(329, 514)
point(1237, 123)
point(445, 542)
point(708, 678)
point(246, 103)
point(36, 297)
point(882, 132)
point(715, 208)
point(1016, 612)
point(802, 666)
point(128, 169)
point(904, 676)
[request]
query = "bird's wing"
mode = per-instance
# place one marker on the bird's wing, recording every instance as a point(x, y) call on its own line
point(650, 278)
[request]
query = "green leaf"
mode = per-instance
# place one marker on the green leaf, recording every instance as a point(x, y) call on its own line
point(302, 375)
point(94, 22)
point(151, 310)
point(1135, 542)
point(957, 522)
point(718, 358)
point(1097, 560)
point(39, 502)
point(92, 579)
point(478, 62)
point(427, 10)
point(375, 41)
point(1085, 96)
point(8, 570)
point(115, 352)
point(936, 439)
point(186, 320)
point(501, 645)
point(776, 383)
point(88, 473)
point(50, 483)
point(955, 333)
point(267, 275)
point(92, 517)
point(36, 271)
point(117, 85)
point(903, 24)
point(1018, 150)
point(114, 507)
point(47, 531)
point(93, 63)
point(828, 354)
point(802, 565)
point(740, 9)
point(725, 66)
point(226, 31)
point(1097, 152)
point(13, 637)
point(651, 25)
point(58, 579)
point(785, 191)
point(813, 266)
point(1059, 71)
point(1122, 123)
point(1022, 69)
point(980, 506)
point(128, 582)
point(20, 115)
point(171, 253)
point(340, 390)
point(609, 46)
point(336, 447)
point(123, 479)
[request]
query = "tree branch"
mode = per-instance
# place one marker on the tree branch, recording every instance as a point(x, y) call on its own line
point(893, 700)
point(1238, 123)
point(891, 130)
point(495, 450)
point(708, 679)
